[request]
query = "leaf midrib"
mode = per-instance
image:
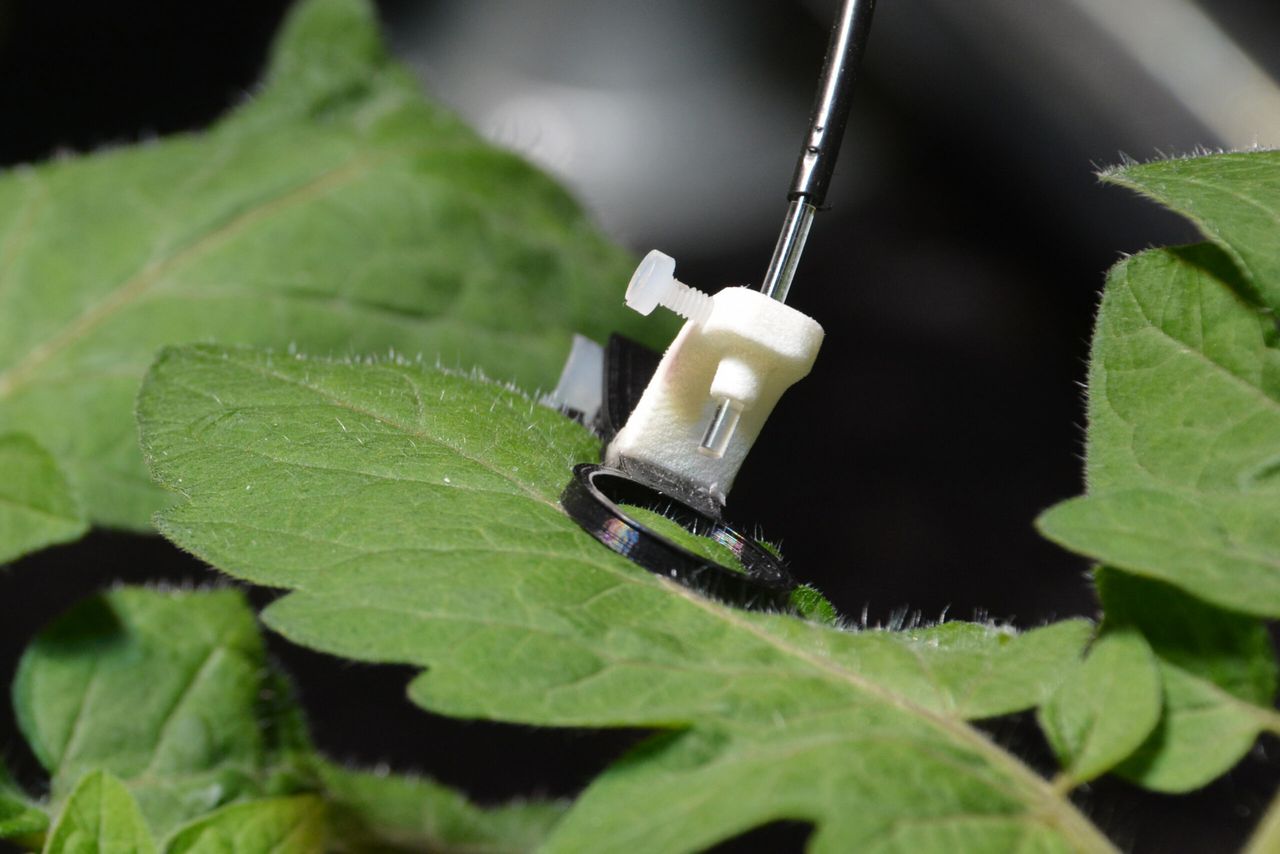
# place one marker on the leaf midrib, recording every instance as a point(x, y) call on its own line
point(1215, 234)
point(134, 287)
point(1079, 829)
point(1183, 347)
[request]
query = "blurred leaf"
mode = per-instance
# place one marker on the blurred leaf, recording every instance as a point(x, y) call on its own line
point(337, 211)
point(1266, 836)
point(168, 695)
point(415, 514)
point(100, 817)
point(372, 812)
point(293, 825)
point(19, 817)
point(37, 507)
point(1219, 675)
point(162, 690)
point(1105, 708)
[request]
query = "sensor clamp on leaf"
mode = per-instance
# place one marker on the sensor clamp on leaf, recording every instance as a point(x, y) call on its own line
point(715, 387)
point(739, 350)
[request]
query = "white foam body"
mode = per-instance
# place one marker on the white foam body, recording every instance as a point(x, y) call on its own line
point(751, 349)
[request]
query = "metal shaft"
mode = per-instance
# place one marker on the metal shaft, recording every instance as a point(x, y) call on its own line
point(786, 254)
point(822, 143)
point(809, 183)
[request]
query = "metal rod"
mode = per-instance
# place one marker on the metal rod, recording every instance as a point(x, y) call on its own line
point(812, 176)
point(822, 142)
point(786, 254)
point(715, 441)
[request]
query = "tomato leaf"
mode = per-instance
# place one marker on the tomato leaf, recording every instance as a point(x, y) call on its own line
point(337, 211)
point(1183, 457)
point(1106, 708)
point(100, 815)
point(1218, 673)
point(162, 703)
point(414, 513)
point(294, 825)
point(1183, 461)
point(37, 506)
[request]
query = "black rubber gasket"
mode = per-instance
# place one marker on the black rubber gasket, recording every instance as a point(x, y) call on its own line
point(591, 499)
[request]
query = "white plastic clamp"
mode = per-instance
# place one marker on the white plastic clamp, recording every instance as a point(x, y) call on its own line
point(716, 384)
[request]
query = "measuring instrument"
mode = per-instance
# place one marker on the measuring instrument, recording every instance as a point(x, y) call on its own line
point(678, 428)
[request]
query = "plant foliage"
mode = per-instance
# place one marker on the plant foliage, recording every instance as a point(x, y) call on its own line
point(1183, 458)
point(337, 211)
point(163, 727)
point(414, 513)
point(411, 513)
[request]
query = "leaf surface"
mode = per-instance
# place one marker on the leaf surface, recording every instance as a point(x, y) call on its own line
point(337, 211)
point(388, 813)
point(1233, 197)
point(1183, 461)
point(37, 506)
point(414, 513)
point(294, 825)
point(1106, 708)
point(19, 817)
point(168, 694)
point(1183, 458)
point(1218, 672)
point(164, 691)
point(100, 817)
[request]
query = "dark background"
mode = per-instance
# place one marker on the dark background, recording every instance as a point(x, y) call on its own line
point(957, 276)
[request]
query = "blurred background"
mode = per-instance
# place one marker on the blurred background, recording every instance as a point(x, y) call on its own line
point(956, 274)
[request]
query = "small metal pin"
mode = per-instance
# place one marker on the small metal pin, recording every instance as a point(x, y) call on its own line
point(721, 428)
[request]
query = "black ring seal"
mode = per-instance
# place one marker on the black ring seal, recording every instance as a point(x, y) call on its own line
point(765, 584)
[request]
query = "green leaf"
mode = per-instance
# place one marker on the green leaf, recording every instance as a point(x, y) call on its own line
point(1106, 708)
point(100, 817)
point(293, 825)
point(1219, 675)
point(809, 603)
point(1183, 461)
point(19, 817)
point(1184, 433)
point(1234, 199)
point(170, 695)
point(162, 690)
point(414, 513)
point(338, 211)
point(37, 507)
point(378, 812)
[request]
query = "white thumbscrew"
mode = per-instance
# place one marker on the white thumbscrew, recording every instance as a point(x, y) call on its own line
point(654, 283)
